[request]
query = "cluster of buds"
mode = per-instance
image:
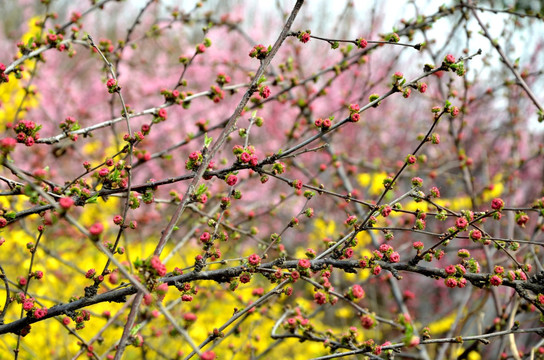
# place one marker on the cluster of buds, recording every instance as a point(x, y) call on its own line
point(496, 278)
point(194, 161)
point(79, 316)
point(260, 51)
point(222, 79)
point(245, 155)
point(160, 115)
point(142, 155)
point(455, 275)
point(26, 48)
point(202, 124)
point(386, 251)
point(114, 178)
point(324, 124)
point(497, 204)
point(105, 45)
point(150, 269)
point(138, 136)
point(216, 94)
point(354, 115)
point(392, 37)
point(68, 125)
point(3, 76)
point(298, 322)
point(113, 86)
point(174, 96)
point(54, 40)
point(187, 290)
point(517, 274)
point(30, 307)
point(398, 79)
point(27, 132)
point(82, 188)
point(450, 63)
point(201, 48)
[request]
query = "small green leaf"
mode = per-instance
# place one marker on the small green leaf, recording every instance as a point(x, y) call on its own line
point(207, 140)
point(135, 329)
point(201, 189)
point(92, 200)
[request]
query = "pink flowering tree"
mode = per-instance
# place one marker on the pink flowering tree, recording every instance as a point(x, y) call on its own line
point(237, 181)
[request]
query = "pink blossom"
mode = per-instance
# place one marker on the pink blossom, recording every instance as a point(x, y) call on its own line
point(28, 304)
point(162, 113)
point(386, 211)
point(367, 321)
point(357, 291)
point(96, 229)
point(7, 144)
point(208, 355)
point(385, 248)
point(497, 204)
point(320, 298)
point(450, 270)
point(254, 259)
point(205, 237)
point(66, 202)
point(422, 87)
point(495, 280)
point(157, 264)
point(461, 223)
point(40, 313)
point(450, 282)
point(232, 180)
point(394, 257)
point(450, 59)
point(245, 157)
point(355, 117)
point(362, 43)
